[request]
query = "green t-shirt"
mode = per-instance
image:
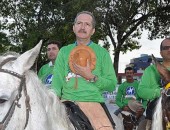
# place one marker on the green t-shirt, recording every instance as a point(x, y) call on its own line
point(46, 74)
point(64, 80)
point(149, 87)
point(126, 92)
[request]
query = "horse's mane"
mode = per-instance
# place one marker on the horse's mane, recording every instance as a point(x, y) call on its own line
point(157, 117)
point(50, 102)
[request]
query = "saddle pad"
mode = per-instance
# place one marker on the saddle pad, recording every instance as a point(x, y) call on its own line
point(96, 115)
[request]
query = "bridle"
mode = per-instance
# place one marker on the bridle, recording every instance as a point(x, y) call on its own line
point(131, 122)
point(22, 86)
point(165, 116)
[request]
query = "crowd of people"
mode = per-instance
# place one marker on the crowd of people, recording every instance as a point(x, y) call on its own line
point(80, 72)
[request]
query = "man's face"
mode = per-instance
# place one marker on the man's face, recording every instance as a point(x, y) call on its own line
point(83, 27)
point(129, 74)
point(52, 51)
point(165, 52)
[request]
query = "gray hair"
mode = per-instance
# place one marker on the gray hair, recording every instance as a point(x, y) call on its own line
point(89, 13)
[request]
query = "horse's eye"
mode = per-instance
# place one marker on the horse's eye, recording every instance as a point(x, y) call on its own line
point(2, 101)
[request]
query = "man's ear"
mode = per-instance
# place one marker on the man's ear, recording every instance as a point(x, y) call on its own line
point(161, 53)
point(73, 29)
point(93, 31)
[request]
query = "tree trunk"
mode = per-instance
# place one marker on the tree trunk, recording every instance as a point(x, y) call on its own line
point(116, 61)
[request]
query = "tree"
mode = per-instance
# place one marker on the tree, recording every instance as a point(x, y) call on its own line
point(159, 25)
point(119, 22)
point(28, 21)
point(123, 21)
point(5, 44)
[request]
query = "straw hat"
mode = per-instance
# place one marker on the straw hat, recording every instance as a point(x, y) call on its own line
point(134, 105)
point(80, 54)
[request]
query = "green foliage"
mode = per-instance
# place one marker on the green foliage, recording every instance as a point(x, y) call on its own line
point(123, 22)
point(120, 21)
point(159, 25)
point(130, 45)
point(5, 44)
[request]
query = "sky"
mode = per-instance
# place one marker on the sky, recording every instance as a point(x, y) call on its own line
point(147, 47)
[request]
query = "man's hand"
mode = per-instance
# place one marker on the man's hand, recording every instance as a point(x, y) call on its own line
point(140, 110)
point(85, 72)
point(126, 108)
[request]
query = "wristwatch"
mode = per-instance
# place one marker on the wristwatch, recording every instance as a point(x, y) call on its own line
point(94, 79)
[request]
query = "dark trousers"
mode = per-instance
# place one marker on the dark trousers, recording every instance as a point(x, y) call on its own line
point(150, 109)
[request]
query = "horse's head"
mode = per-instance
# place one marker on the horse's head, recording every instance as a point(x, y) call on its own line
point(129, 120)
point(12, 71)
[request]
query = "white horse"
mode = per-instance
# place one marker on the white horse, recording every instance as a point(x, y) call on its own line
point(157, 117)
point(161, 117)
point(24, 102)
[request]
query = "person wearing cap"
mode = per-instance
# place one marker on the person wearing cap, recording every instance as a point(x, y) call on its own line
point(151, 82)
point(83, 71)
point(127, 97)
point(45, 73)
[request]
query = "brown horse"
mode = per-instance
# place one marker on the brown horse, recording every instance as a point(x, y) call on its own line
point(131, 121)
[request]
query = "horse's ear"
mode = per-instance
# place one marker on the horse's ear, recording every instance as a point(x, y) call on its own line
point(25, 61)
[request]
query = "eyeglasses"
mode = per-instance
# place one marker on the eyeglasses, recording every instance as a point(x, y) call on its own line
point(165, 47)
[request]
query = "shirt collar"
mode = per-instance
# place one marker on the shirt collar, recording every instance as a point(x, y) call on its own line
point(50, 64)
point(87, 44)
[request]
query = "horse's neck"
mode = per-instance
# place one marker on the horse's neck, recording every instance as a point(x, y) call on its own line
point(39, 101)
point(38, 116)
point(46, 108)
point(47, 113)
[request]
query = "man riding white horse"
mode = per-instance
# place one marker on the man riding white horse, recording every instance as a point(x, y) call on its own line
point(25, 104)
point(151, 81)
point(82, 72)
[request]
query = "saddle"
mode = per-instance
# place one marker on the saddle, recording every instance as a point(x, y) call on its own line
point(77, 117)
point(84, 117)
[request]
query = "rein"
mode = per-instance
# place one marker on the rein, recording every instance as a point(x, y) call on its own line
point(22, 86)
